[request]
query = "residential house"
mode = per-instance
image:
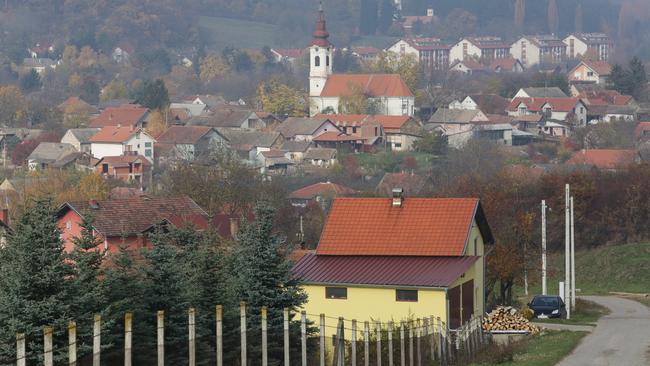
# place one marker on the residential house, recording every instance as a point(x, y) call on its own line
point(305, 129)
point(543, 92)
point(642, 131)
point(287, 55)
point(417, 257)
point(230, 117)
point(479, 48)
point(118, 141)
point(80, 161)
point(589, 44)
point(401, 132)
point(76, 105)
point(411, 184)
point(487, 103)
point(468, 66)
point(274, 162)
point(499, 133)
point(605, 159)
point(596, 72)
point(192, 142)
point(80, 138)
point(430, 53)
point(539, 49)
point(409, 21)
point(47, 153)
point(40, 65)
point(127, 223)
point(390, 93)
point(321, 193)
point(367, 131)
point(456, 125)
point(209, 101)
point(190, 109)
point(126, 115)
point(505, 65)
point(320, 157)
point(562, 109)
point(553, 128)
point(248, 144)
point(132, 169)
point(339, 141)
point(295, 150)
point(122, 54)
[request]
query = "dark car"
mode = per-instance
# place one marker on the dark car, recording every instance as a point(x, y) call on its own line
point(548, 306)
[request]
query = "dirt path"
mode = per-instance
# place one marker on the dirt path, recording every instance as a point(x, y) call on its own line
point(620, 338)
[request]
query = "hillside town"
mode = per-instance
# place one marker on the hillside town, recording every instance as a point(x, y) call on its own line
point(258, 204)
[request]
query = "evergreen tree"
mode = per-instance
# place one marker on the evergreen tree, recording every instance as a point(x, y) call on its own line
point(386, 16)
point(154, 95)
point(33, 289)
point(618, 79)
point(638, 79)
point(553, 19)
point(520, 14)
point(30, 81)
point(579, 20)
point(368, 17)
point(261, 276)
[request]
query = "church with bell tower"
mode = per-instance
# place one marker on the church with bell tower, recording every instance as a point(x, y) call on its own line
point(387, 92)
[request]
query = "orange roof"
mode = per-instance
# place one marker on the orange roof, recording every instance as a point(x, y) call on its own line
point(114, 134)
point(421, 227)
point(641, 128)
point(604, 158)
point(536, 104)
point(373, 85)
point(602, 68)
point(319, 189)
point(389, 122)
point(125, 115)
point(334, 136)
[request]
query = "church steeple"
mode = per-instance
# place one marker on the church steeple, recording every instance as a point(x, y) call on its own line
point(320, 34)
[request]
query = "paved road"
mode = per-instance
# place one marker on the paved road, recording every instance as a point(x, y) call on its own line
point(620, 338)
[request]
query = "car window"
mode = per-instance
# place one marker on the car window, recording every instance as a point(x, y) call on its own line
point(545, 301)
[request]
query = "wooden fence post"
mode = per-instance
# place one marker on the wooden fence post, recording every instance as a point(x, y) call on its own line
point(48, 357)
point(160, 325)
point(72, 343)
point(366, 343)
point(20, 350)
point(322, 340)
point(402, 348)
point(378, 329)
point(353, 340)
point(265, 345)
point(97, 339)
point(191, 320)
point(340, 342)
point(219, 316)
point(390, 343)
point(303, 337)
point(287, 355)
point(242, 331)
point(128, 328)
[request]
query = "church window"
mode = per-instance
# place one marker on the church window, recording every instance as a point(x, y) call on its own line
point(317, 61)
point(327, 60)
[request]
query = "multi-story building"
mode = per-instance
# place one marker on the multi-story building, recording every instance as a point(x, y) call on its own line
point(430, 52)
point(598, 45)
point(535, 50)
point(487, 48)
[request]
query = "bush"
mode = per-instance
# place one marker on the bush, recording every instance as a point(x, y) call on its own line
point(498, 353)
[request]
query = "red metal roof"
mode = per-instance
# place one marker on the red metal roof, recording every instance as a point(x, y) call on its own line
point(382, 270)
point(372, 85)
point(421, 227)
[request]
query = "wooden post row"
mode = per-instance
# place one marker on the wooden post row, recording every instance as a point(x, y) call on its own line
point(72, 343)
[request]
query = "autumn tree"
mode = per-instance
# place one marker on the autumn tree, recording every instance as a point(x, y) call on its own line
point(579, 19)
point(520, 15)
point(553, 18)
point(115, 89)
point(281, 99)
point(406, 66)
point(212, 68)
point(157, 124)
point(356, 102)
point(92, 186)
point(13, 106)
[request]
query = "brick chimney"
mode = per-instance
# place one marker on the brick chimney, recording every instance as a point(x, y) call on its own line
point(4, 216)
point(398, 197)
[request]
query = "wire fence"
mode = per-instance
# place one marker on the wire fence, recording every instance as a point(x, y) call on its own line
point(332, 341)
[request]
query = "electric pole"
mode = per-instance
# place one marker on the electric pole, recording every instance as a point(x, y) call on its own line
point(567, 252)
point(573, 260)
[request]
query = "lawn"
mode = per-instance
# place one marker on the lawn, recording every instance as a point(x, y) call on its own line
point(241, 33)
point(545, 349)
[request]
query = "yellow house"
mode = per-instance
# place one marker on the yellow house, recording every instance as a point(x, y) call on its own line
point(397, 259)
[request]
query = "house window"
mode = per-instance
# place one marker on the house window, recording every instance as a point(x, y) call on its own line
point(340, 293)
point(129, 148)
point(68, 225)
point(147, 144)
point(105, 168)
point(522, 110)
point(590, 73)
point(147, 153)
point(406, 295)
point(398, 145)
point(327, 60)
point(354, 130)
point(317, 61)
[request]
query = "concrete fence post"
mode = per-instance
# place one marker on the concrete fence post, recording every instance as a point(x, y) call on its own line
point(440, 340)
point(378, 330)
point(411, 351)
point(72, 343)
point(353, 340)
point(219, 317)
point(432, 333)
point(303, 338)
point(418, 335)
point(265, 345)
point(242, 328)
point(366, 343)
point(20, 350)
point(97, 339)
point(128, 333)
point(402, 348)
point(48, 357)
point(160, 325)
point(390, 343)
point(322, 340)
point(287, 355)
point(191, 325)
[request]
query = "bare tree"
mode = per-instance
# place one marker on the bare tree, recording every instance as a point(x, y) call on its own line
point(553, 20)
point(579, 18)
point(520, 14)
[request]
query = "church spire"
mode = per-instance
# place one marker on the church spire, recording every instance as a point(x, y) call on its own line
point(320, 34)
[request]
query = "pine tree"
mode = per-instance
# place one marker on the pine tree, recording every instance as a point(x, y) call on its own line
point(386, 14)
point(579, 18)
point(553, 20)
point(368, 17)
point(33, 289)
point(638, 78)
point(618, 79)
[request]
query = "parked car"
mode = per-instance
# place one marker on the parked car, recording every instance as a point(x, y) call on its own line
point(548, 306)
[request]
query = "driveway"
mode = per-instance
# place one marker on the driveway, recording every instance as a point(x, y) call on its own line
point(620, 338)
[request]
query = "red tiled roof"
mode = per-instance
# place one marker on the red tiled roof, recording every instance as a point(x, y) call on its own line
point(536, 104)
point(114, 134)
point(136, 215)
point(125, 115)
point(503, 63)
point(381, 270)
point(333, 137)
point(409, 20)
point(319, 189)
point(183, 134)
point(373, 85)
point(640, 128)
point(123, 160)
point(412, 184)
point(421, 227)
point(388, 122)
point(471, 64)
point(602, 68)
point(362, 50)
point(604, 158)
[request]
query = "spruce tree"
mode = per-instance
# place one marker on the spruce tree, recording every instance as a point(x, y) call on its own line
point(385, 16)
point(638, 79)
point(34, 291)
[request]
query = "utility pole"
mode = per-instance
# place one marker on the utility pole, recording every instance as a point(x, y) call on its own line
point(567, 253)
point(573, 260)
point(544, 287)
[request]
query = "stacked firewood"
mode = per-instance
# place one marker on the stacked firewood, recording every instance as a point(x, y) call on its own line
point(505, 318)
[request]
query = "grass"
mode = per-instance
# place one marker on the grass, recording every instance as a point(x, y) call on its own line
point(545, 349)
point(585, 313)
point(240, 33)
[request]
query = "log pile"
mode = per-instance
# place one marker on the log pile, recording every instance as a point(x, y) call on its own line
point(505, 318)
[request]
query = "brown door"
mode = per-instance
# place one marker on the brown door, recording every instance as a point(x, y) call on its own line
point(454, 307)
point(468, 300)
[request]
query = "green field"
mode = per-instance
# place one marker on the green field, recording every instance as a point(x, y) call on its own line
point(240, 33)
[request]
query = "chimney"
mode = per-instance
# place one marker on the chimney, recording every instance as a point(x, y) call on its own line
point(93, 204)
point(398, 197)
point(4, 216)
point(234, 227)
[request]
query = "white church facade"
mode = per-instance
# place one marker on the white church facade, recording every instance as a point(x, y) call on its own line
point(388, 93)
